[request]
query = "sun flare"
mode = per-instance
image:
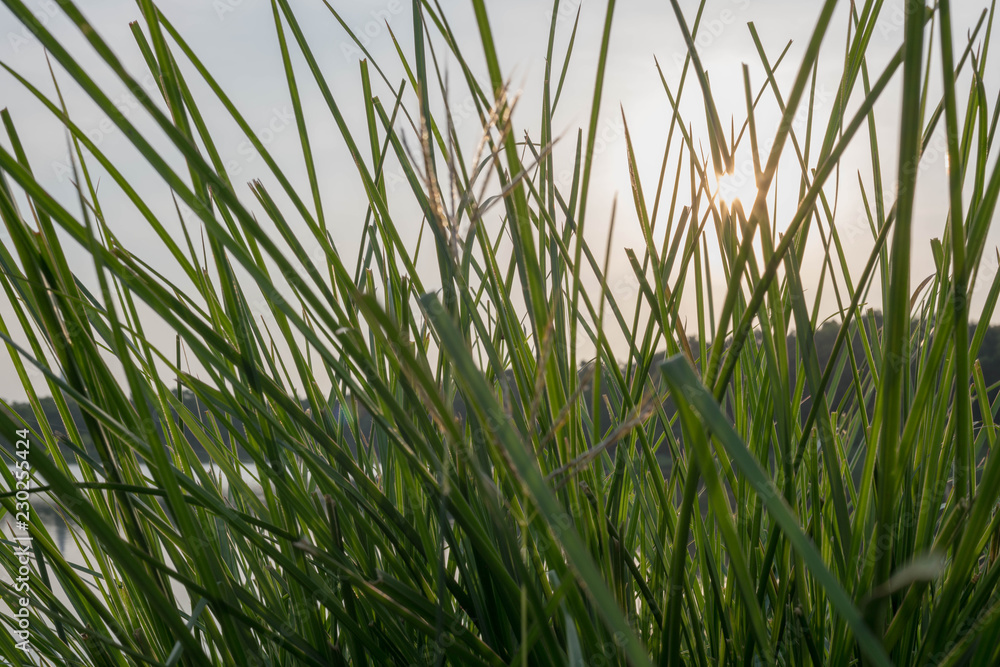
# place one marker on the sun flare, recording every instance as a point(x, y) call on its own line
point(737, 187)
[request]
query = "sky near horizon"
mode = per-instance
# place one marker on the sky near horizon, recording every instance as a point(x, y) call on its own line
point(236, 40)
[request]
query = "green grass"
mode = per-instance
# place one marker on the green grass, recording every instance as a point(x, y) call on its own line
point(447, 475)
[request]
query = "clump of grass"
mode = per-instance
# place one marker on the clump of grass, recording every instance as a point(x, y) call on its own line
point(443, 478)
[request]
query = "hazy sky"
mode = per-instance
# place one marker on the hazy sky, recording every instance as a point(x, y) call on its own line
point(236, 40)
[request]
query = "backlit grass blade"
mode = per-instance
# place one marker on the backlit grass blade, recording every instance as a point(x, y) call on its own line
point(685, 386)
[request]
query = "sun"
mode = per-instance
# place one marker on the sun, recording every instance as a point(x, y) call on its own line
point(737, 186)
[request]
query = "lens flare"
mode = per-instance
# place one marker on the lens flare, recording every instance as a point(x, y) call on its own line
point(737, 187)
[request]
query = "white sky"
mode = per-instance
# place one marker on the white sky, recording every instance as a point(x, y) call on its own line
point(236, 40)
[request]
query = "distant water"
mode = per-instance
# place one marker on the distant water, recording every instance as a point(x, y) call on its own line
point(71, 542)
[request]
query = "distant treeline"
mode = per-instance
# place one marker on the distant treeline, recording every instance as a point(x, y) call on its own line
point(824, 338)
point(86, 445)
